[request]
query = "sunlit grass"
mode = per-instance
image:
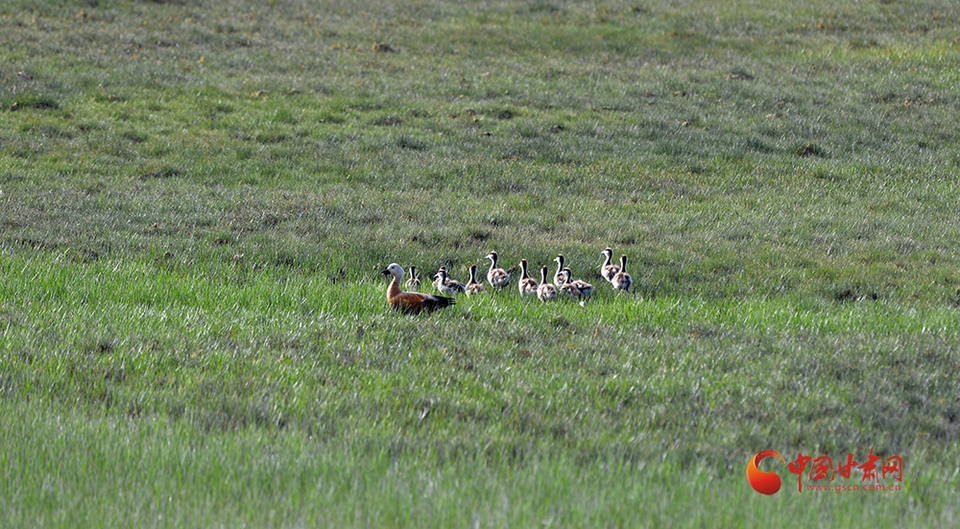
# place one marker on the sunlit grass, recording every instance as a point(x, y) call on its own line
point(196, 201)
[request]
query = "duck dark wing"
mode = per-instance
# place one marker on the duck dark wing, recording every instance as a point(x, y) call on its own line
point(415, 302)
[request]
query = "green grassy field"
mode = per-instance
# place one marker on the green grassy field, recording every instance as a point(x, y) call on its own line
point(197, 199)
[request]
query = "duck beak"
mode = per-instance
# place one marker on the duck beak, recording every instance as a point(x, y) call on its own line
point(386, 272)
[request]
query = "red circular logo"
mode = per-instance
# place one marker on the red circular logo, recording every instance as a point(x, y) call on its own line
point(763, 482)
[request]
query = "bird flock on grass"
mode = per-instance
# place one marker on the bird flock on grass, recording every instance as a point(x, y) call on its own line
point(564, 286)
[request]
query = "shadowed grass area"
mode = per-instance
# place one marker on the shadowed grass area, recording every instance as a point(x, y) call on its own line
point(196, 200)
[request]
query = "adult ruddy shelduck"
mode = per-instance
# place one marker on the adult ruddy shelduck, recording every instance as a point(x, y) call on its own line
point(527, 285)
point(498, 277)
point(445, 284)
point(546, 291)
point(608, 269)
point(411, 302)
point(473, 287)
point(622, 280)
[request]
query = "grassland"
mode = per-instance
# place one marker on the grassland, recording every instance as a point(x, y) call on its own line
point(196, 199)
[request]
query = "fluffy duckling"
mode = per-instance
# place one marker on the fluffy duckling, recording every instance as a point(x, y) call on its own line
point(546, 291)
point(567, 288)
point(411, 302)
point(413, 283)
point(527, 285)
point(473, 287)
point(608, 269)
point(438, 279)
point(498, 277)
point(576, 288)
point(622, 280)
point(445, 284)
point(558, 276)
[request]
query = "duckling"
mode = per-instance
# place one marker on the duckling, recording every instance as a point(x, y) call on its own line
point(558, 276)
point(413, 283)
point(473, 287)
point(437, 279)
point(546, 291)
point(445, 284)
point(527, 285)
point(498, 277)
point(411, 302)
point(622, 280)
point(575, 287)
point(607, 269)
point(567, 288)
